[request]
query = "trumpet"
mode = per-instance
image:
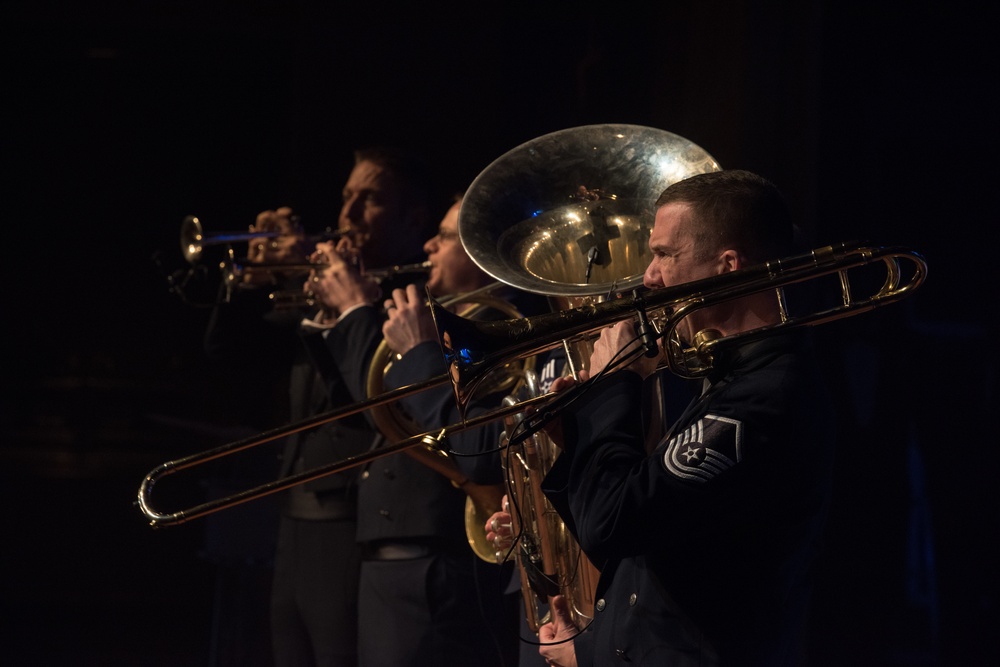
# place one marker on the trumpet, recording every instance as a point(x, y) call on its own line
point(193, 238)
point(291, 299)
point(475, 348)
point(234, 270)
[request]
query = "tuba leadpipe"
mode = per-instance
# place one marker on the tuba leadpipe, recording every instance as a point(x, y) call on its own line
point(475, 348)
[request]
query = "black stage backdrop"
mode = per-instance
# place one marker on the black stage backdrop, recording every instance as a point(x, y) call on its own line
point(120, 118)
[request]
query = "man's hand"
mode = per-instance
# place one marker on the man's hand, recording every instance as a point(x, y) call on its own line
point(500, 530)
point(410, 322)
point(620, 338)
point(554, 426)
point(339, 286)
point(556, 637)
point(286, 248)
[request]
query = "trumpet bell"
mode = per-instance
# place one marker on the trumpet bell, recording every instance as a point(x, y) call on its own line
point(191, 238)
point(194, 238)
point(569, 213)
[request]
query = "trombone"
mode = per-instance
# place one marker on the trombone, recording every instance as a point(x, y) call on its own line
point(474, 348)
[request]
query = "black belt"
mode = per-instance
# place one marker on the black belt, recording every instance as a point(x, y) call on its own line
point(401, 551)
point(328, 506)
point(404, 549)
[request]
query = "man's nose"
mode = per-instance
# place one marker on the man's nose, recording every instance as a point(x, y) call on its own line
point(351, 211)
point(651, 278)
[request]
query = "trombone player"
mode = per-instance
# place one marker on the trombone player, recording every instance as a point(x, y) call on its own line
point(705, 546)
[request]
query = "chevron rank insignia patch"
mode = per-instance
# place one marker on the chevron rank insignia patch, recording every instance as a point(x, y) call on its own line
point(708, 447)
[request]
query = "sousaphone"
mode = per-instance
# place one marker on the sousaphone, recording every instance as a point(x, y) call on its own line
point(567, 215)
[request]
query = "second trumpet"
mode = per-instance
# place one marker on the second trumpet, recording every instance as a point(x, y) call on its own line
point(284, 299)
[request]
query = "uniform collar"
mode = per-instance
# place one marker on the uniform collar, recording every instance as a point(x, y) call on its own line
point(749, 356)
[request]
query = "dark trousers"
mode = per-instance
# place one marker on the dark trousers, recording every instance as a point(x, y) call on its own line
point(442, 610)
point(315, 594)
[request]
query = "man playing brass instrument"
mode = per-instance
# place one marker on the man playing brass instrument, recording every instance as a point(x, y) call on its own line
point(425, 597)
point(387, 211)
point(705, 546)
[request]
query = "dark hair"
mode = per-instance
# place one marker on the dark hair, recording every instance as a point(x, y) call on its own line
point(736, 209)
point(414, 174)
point(406, 166)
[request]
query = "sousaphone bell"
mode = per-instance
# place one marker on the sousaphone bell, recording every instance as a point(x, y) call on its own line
point(568, 215)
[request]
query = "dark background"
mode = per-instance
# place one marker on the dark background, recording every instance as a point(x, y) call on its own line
point(120, 118)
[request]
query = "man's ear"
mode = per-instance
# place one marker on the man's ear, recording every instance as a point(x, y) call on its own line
point(416, 223)
point(730, 260)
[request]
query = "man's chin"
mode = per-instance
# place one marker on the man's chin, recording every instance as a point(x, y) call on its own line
point(434, 288)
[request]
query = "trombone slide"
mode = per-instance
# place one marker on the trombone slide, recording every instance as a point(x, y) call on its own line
point(475, 348)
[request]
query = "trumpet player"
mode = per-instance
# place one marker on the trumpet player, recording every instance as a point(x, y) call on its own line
point(288, 247)
point(705, 545)
point(387, 203)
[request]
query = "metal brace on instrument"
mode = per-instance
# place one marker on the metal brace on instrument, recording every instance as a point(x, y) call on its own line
point(434, 441)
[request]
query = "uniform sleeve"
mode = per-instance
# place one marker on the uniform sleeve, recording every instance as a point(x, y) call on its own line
point(583, 648)
point(612, 494)
point(595, 477)
point(733, 463)
point(352, 344)
point(475, 451)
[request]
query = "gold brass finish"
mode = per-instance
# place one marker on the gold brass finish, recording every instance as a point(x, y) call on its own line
point(481, 500)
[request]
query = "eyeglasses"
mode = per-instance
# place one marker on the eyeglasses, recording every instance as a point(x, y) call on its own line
point(445, 235)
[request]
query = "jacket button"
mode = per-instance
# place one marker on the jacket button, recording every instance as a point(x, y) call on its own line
point(364, 475)
point(600, 604)
point(384, 513)
point(631, 600)
point(623, 654)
